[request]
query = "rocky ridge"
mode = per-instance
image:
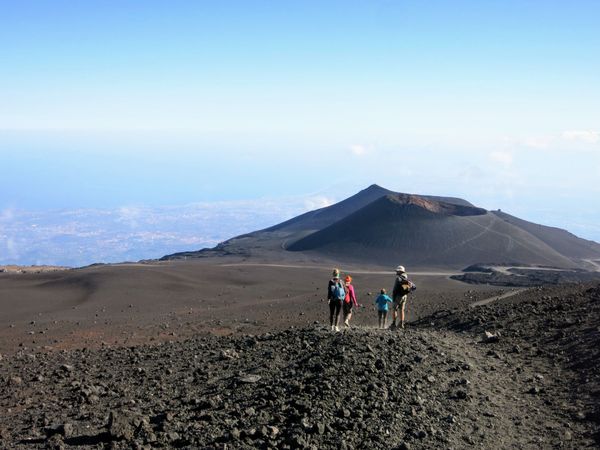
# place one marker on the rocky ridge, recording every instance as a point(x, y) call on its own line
point(517, 374)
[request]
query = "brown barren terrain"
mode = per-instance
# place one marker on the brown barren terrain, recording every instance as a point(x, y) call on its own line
point(108, 305)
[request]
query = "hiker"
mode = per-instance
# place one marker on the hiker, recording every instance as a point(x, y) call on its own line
point(335, 294)
point(382, 301)
point(349, 300)
point(402, 287)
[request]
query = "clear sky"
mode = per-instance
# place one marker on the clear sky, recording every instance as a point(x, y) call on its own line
point(112, 103)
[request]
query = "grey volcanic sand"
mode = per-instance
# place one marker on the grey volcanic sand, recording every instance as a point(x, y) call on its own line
point(136, 303)
point(439, 384)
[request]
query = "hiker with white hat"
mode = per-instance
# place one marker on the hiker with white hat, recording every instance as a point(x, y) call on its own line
point(402, 287)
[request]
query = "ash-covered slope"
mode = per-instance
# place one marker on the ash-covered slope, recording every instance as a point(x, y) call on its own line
point(272, 240)
point(377, 226)
point(559, 324)
point(323, 217)
point(435, 385)
point(426, 232)
point(561, 240)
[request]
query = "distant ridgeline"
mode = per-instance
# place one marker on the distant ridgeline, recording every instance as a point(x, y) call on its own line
point(378, 226)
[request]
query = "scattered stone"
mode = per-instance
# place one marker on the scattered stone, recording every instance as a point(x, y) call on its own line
point(55, 442)
point(461, 394)
point(534, 390)
point(489, 338)
point(173, 436)
point(568, 436)
point(319, 428)
point(67, 430)
point(119, 427)
point(273, 431)
point(309, 388)
point(229, 354)
point(67, 368)
point(249, 379)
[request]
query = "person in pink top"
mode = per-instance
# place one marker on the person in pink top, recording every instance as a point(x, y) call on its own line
point(350, 300)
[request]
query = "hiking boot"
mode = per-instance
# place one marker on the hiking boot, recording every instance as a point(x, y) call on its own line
point(333, 328)
point(402, 325)
point(346, 323)
point(392, 326)
point(337, 328)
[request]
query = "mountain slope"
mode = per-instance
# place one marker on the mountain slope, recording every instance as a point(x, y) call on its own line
point(270, 241)
point(378, 226)
point(561, 240)
point(323, 217)
point(416, 231)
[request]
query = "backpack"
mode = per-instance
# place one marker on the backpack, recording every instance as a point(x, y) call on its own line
point(337, 291)
point(405, 286)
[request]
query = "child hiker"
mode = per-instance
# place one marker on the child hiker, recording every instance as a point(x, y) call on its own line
point(382, 302)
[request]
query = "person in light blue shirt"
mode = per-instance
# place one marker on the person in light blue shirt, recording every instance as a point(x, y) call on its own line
point(383, 302)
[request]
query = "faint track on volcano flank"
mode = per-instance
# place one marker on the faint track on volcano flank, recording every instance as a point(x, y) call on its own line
point(328, 268)
point(595, 263)
point(487, 301)
point(477, 236)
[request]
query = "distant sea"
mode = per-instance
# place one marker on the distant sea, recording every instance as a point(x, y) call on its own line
point(78, 237)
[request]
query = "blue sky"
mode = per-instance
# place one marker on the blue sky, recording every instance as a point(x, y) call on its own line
point(105, 104)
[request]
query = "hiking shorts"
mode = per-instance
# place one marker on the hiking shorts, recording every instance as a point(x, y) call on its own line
point(399, 304)
point(347, 308)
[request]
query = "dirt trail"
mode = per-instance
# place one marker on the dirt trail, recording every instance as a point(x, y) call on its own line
point(441, 383)
point(419, 388)
point(360, 271)
point(487, 301)
point(595, 263)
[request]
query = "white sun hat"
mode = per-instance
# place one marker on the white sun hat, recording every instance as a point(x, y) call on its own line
point(400, 269)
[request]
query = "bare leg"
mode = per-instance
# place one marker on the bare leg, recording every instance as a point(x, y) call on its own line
point(402, 313)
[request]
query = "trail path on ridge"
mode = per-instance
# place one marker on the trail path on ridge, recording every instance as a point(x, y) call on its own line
point(423, 388)
point(361, 271)
point(494, 298)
